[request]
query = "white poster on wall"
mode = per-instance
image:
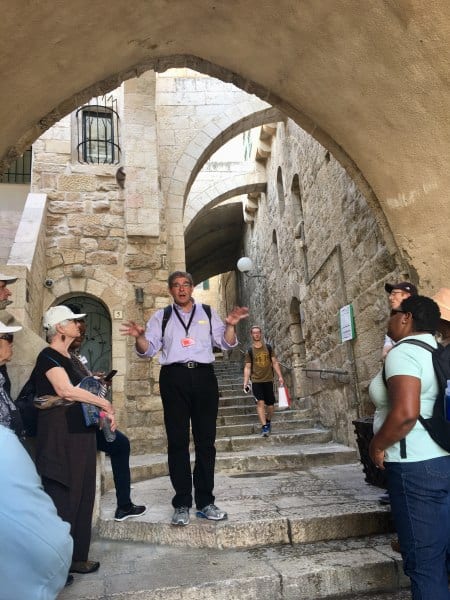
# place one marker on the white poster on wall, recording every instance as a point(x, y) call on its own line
point(347, 323)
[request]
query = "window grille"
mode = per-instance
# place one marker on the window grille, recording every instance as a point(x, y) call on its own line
point(19, 171)
point(98, 131)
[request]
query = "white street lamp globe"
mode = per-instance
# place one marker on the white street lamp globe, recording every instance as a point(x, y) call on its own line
point(245, 264)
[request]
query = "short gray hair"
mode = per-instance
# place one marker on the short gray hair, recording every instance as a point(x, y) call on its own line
point(51, 331)
point(177, 274)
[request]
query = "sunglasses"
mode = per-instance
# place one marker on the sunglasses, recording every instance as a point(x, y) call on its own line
point(9, 337)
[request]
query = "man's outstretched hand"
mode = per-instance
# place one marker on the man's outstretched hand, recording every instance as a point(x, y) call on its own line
point(237, 314)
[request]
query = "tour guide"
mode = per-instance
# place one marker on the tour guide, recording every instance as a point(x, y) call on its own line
point(189, 389)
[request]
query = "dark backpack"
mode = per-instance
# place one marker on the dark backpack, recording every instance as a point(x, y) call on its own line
point(168, 312)
point(27, 410)
point(25, 404)
point(250, 353)
point(437, 425)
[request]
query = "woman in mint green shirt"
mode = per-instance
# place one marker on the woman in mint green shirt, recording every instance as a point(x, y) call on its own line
point(418, 470)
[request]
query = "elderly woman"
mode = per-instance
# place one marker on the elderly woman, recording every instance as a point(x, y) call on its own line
point(418, 470)
point(65, 446)
point(9, 415)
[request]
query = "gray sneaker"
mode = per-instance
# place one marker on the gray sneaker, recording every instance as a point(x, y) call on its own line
point(180, 516)
point(212, 512)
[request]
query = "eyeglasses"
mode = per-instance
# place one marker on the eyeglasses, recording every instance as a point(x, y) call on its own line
point(178, 286)
point(394, 311)
point(9, 337)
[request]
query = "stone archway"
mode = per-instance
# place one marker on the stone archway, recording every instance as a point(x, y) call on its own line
point(366, 92)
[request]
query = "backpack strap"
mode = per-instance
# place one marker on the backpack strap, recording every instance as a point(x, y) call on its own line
point(166, 317)
point(207, 309)
point(52, 359)
point(168, 311)
point(416, 343)
point(425, 346)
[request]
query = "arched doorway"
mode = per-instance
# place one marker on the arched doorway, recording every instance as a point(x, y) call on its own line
point(97, 345)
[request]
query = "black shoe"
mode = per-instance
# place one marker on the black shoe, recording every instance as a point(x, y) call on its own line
point(84, 566)
point(69, 580)
point(127, 513)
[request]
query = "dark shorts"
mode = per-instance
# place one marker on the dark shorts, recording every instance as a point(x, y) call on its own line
point(264, 391)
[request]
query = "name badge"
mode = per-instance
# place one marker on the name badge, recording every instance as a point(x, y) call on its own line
point(187, 341)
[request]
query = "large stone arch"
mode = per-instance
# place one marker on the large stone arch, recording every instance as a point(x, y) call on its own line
point(213, 236)
point(371, 91)
point(238, 185)
point(218, 132)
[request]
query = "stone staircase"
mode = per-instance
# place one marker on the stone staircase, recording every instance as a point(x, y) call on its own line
point(302, 521)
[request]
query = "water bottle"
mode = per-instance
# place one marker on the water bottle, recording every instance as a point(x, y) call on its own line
point(105, 425)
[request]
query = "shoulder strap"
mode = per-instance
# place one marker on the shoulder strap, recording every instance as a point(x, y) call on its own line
point(207, 309)
point(423, 345)
point(269, 348)
point(416, 343)
point(166, 317)
point(52, 359)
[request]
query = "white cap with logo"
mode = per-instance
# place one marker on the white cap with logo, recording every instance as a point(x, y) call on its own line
point(58, 314)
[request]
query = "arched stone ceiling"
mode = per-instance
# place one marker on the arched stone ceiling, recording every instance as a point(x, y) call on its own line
point(238, 185)
point(220, 232)
point(369, 80)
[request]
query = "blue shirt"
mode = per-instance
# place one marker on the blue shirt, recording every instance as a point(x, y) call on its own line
point(36, 547)
point(172, 350)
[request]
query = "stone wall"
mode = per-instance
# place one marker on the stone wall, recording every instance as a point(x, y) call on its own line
point(314, 239)
point(317, 243)
point(104, 241)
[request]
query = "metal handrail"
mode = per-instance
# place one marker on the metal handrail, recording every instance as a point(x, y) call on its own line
point(338, 372)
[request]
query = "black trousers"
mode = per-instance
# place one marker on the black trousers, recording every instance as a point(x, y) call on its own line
point(119, 453)
point(75, 502)
point(190, 396)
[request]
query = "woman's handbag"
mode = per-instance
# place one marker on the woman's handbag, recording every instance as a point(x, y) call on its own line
point(284, 400)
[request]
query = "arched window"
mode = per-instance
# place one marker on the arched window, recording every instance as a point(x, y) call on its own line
point(280, 190)
point(276, 259)
point(20, 170)
point(297, 207)
point(98, 131)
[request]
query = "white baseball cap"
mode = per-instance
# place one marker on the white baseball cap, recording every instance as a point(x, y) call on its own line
point(9, 328)
point(58, 314)
point(7, 278)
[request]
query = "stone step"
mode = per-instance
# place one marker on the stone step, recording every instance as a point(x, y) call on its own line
point(231, 417)
point(245, 409)
point(142, 571)
point(263, 458)
point(296, 507)
point(237, 401)
point(242, 424)
point(255, 427)
point(245, 442)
